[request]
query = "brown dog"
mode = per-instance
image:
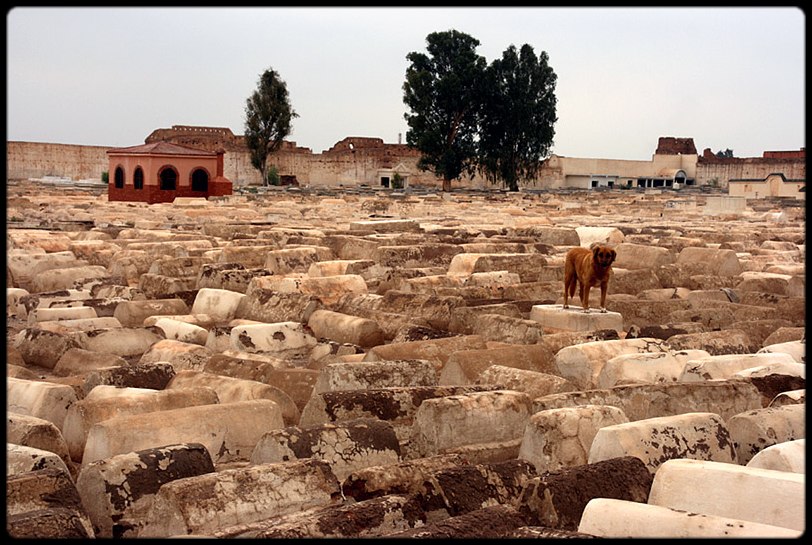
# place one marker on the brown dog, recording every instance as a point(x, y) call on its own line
point(588, 267)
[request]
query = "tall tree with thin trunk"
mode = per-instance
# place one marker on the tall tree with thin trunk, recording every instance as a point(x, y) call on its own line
point(268, 116)
point(442, 91)
point(518, 114)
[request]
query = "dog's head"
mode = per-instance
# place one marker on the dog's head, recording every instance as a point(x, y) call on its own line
point(603, 256)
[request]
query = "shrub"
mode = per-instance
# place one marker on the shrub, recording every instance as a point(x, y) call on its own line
point(273, 176)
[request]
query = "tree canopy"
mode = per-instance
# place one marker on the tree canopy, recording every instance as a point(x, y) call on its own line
point(442, 90)
point(466, 115)
point(268, 116)
point(518, 114)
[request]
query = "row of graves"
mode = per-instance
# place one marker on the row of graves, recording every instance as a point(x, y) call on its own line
point(360, 365)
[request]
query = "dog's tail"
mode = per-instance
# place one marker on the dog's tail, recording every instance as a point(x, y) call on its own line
point(572, 289)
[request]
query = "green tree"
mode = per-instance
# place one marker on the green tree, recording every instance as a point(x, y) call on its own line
point(268, 116)
point(442, 90)
point(518, 115)
point(273, 176)
point(728, 153)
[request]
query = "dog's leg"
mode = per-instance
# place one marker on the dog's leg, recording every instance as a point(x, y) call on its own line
point(570, 279)
point(585, 297)
point(604, 289)
point(570, 282)
point(566, 291)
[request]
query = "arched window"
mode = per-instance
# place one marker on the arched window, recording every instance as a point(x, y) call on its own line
point(138, 178)
point(168, 178)
point(119, 177)
point(200, 180)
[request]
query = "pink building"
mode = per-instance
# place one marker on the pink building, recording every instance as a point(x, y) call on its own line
point(161, 171)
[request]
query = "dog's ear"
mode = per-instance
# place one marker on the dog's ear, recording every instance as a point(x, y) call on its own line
point(614, 256)
point(595, 249)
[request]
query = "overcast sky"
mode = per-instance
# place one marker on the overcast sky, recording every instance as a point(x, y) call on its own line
point(727, 77)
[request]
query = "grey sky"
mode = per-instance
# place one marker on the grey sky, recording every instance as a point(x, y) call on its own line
point(728, 77)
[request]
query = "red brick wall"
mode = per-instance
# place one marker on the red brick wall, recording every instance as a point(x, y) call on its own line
point(152, 165)
point(220, 187)
point(669, 145)
point(800, 154)
point(152, 194)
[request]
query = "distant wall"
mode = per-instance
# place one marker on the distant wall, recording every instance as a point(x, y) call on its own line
point(795, 154)
point(627, 168)
point(237, 168)
point(35, 159)
point(750, 168)
point(327, 169)
point(774, 185)
point(334, 167)
point(559, 172)
point(356, 160)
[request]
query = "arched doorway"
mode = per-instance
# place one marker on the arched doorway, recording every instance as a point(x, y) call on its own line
point(168, 178)
point(200, 180)
point(118, 178)
point(138, 178)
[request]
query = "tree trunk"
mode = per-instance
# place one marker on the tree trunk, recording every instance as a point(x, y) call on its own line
point(446, 184)
point(263, 171)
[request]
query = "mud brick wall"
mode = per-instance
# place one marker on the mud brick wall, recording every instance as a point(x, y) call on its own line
point(751, 168)
point(362, 163)
point(34, 159)
point(153, 194)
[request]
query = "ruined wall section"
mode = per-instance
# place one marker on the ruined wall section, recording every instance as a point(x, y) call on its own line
point(354, 161)
point(290, 159)
point(361, 160)
point(671, 145)
point(237, 168)
point(350, 162)
point(799, 154)
point(721, 170)
point(206, 138)
point(35, 160)
point(550, 173)
point(358, 160)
